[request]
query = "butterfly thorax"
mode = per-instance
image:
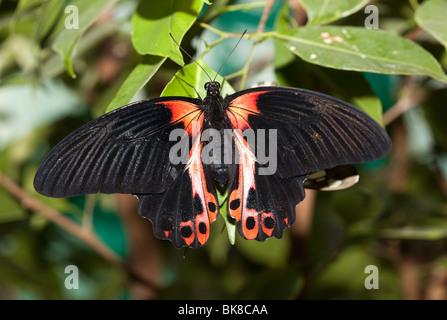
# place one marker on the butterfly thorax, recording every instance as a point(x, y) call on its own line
point(215, 118)
point(213, 106)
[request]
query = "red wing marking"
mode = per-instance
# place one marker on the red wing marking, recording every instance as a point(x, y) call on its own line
point(248, 217)
point(208, 203)
point(185, 112)
point(242, 201)
point(241, 107)
point(268, 223)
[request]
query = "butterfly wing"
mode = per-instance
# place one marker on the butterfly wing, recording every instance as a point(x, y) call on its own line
point(263, 205)
point(124, 151)
point(313, 132)
point(331, 179)
point(185, 211)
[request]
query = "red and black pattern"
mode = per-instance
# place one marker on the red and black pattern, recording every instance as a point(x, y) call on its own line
point(127, 151)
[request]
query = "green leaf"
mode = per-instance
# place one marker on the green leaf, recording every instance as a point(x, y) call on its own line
point(283, 22)
point(193, 76)
point(271, 284)
point(345, 275)
point(430, 16)
point(66, 41)
point(50, 11)
point(325, 11)
point(347, 203)
point(273, 252)
point(360, 49)
point(135, 81)
point(230, 223)
point(153, 22)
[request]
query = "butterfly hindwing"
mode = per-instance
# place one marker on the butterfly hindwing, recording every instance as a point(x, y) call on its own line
point(263, 205)
point(185, 211)
point(338, 178)
point(123, 151)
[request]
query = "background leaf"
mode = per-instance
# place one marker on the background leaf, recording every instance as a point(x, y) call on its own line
point(195, 77)
point(360, 49)
point(10, 210)
point(67, 39)
point(135, 81)
point(272, 252)
point(50, 12)
point(325, 11)
point(152, 23)
point(430, 16)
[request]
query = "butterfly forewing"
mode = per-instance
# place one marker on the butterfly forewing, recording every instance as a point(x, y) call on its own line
point(314, 131)
point(124, 151)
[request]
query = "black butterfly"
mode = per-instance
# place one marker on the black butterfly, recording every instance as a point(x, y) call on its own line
point(130, 150)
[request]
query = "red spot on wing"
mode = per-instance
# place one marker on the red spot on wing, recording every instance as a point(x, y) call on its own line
point(243, 106)
point(268, 223)
point(200, 188)
point(250, 231)
point(185, 112)
point(187, 225)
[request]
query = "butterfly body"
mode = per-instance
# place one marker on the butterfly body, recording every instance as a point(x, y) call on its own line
point(260, 144)
point(215, 118)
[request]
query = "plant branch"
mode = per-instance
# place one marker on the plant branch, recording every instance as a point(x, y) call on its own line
point(84, 234)
point(220, 32)
point(411, 97)
point(265, 15)
point(259, 30)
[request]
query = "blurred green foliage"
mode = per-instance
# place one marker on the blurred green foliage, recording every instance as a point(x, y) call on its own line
point(54, 78)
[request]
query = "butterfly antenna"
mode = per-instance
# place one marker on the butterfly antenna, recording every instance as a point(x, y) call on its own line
point(189, 85)
point(218, 71)
point(178, 44)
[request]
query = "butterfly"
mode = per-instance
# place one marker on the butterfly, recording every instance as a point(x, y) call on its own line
point(264, 145)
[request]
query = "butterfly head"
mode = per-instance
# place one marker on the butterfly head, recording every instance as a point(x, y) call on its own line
point(212, 89)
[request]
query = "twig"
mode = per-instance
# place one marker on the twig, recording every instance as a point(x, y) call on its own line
point(411, 97)
point(259, 30)
point(220, 32)
point(299, 12)
point(265, 15)
point(84, 234)
point(413, 34)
